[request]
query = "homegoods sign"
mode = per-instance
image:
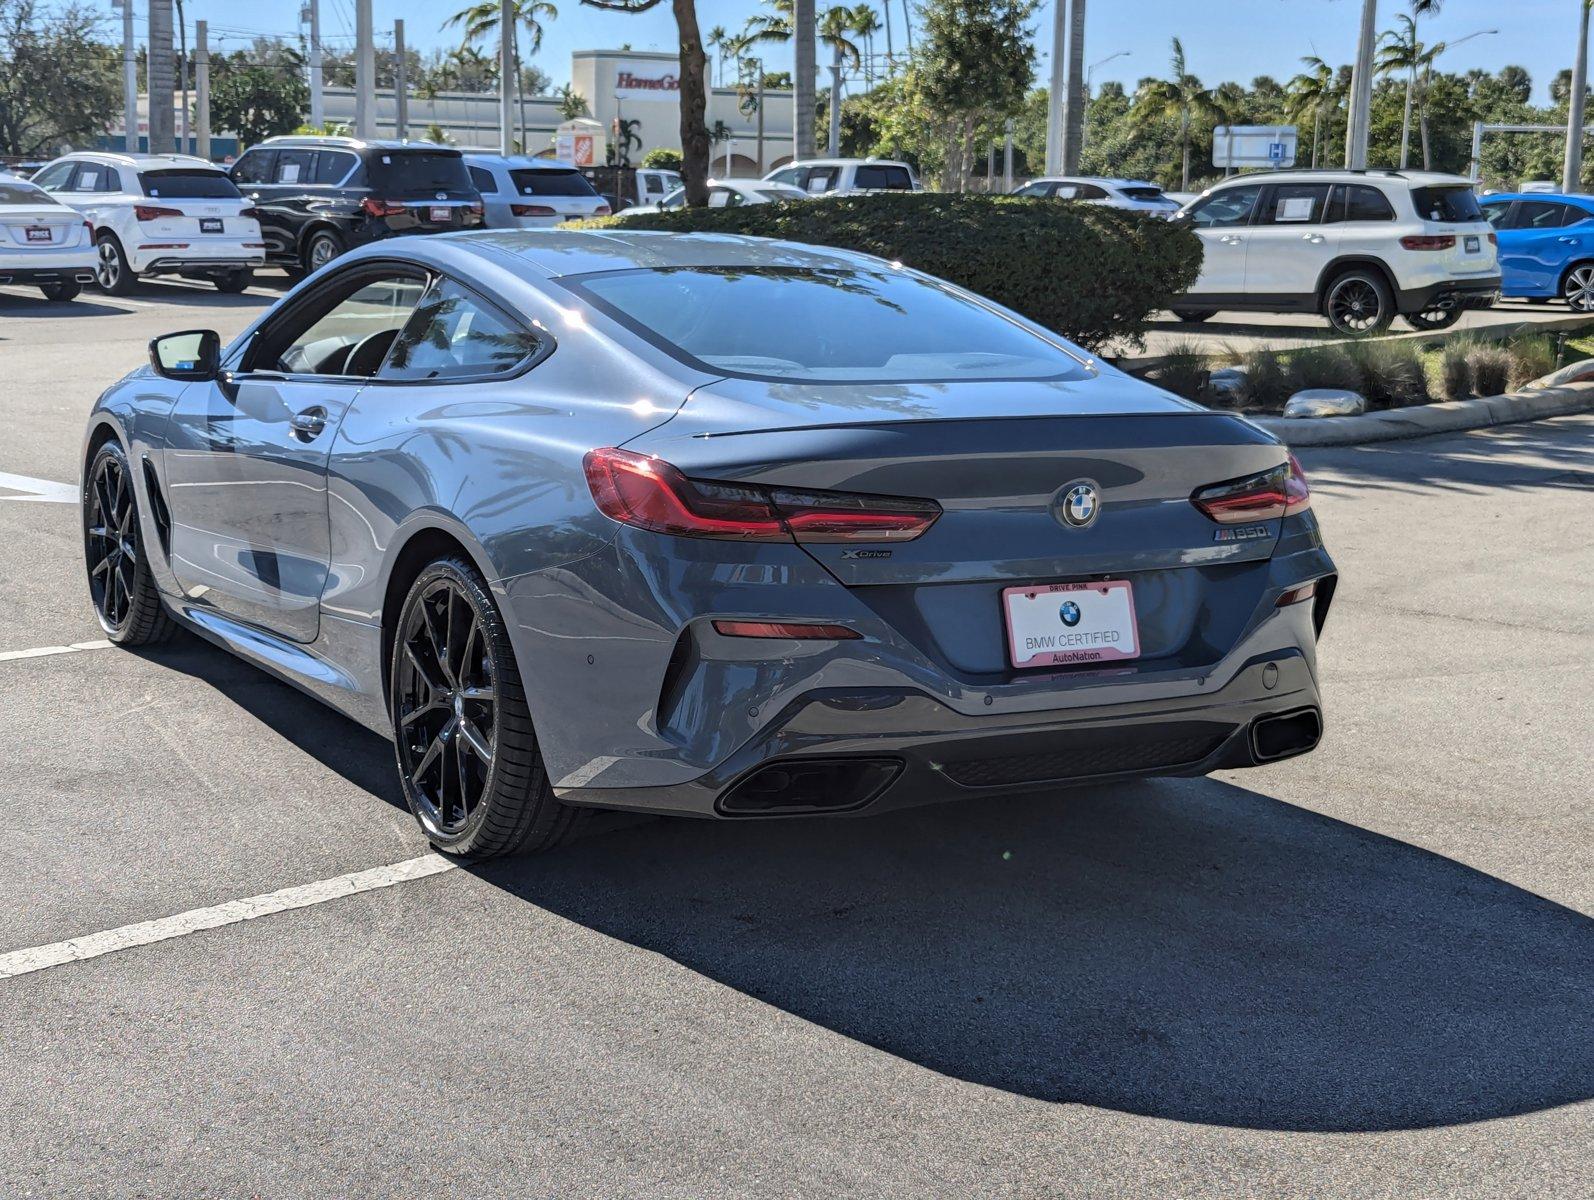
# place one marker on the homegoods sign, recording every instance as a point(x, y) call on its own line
point(647, 81)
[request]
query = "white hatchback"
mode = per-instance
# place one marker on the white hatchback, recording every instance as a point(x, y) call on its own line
point(1131, 195)
point(43, 243)
point(159, 214)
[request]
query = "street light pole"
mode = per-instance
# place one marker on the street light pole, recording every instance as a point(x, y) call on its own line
point(364, 70)
point(506, 77)
point(1054, 94)
point(202, 90)
point(1361, 90)
point(311, 15)
point(129, 78)
point(1572, 169)
point(401, 88)
point(1084, 129)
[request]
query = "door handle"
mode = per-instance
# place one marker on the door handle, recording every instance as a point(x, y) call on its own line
point(1570, 241)
point(1231, 239)
point(310, 422)
point(1315, 238)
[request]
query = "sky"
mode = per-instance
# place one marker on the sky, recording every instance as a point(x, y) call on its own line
point(1223, 39)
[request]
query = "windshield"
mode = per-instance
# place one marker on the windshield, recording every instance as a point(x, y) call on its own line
point(551, 181)
point(189, 185)
point(822, 325)
point(1446, 204)
point(26, 193)
point(419, 171)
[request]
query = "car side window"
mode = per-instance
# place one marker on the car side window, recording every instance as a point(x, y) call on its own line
point(1232, 206)
point(1089, 191)
point(53, 176)
point(351, 335)
point(723, 197)
point(455, 334)
point(88, 178)
point(1539, 214)
point(254, 167)
point(293, 166)
point(332, 167)
point(1296, 204)
point(789, 175)
point(1495, 212)
point(1033, 189)
point(1574, 214)
point(676, 199)
point(483, 180)
point(1358, 202)
point(820, 179)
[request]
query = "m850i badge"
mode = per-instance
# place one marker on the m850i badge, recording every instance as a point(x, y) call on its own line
point(1243, 533)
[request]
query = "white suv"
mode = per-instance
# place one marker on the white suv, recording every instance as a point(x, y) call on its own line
point(1357, 246)
point(846, 176)
point(159, 214)
point(1131, 195)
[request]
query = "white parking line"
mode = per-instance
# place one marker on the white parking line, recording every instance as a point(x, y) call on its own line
point(40, 958)
point(37, 491)
point(45, 651)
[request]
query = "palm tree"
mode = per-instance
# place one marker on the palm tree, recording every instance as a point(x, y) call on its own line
point(480, 23)
point(719, 133)
point(1399, 50)
point(716, 40)
point(1314, 93)
point(572, 104)
point(834, 26)
point(1180, 97)
point(866, 23)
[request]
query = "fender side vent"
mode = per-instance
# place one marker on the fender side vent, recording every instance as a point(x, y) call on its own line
point(157, 508)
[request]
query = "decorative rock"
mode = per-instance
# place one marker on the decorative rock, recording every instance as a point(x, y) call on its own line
point(1226, 379)
point(1325, 402)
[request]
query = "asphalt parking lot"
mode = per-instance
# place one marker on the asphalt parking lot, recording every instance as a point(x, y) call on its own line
point(1366, 972)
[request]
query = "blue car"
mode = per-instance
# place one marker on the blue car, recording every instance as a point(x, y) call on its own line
point(1546, 246)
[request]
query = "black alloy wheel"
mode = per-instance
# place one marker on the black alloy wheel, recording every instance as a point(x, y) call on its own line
point(467, 756)
point(125, 597)
point(1435, 316)
point(1358, 303)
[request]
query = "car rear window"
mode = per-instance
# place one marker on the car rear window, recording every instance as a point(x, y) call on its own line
point(1446, 204)
point(822, 325)
point(183, 184)
point(551, 181)
point(873, 175)
point(22, 193)
point(419, 171)
point(1143, 193)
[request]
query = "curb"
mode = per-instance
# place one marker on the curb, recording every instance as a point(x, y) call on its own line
point(1424, 420)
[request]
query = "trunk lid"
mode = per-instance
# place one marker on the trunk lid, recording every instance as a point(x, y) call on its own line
point(999, 458)
point(64, 226)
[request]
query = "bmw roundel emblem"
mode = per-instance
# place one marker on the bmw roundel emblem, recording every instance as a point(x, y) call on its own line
point(1077, 504)
point(1069, 613)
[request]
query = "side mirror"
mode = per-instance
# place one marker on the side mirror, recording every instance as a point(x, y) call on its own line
point(190, 356)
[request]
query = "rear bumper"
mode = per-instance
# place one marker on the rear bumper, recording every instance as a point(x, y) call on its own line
point(919, 751)
point(198, 259)
point(1474, 292)
point(68, 271)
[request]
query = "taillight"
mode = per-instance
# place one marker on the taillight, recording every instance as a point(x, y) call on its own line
point(1494, 238)
point(532, 210)
point(602, 210)
point(1281, 492)
point(801, 630)
point(1295, 595)
point(153, 212)
point(1428, 241)
point(372, 207)
point(649, 493)
point(249, 214)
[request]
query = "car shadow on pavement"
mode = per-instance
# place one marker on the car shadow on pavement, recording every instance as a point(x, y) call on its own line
point(1183, 949)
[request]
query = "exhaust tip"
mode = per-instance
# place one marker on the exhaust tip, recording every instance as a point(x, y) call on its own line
point(813, 785)
point(1285, 734)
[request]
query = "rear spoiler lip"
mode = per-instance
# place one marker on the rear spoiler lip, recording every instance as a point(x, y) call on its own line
point(1262, 436)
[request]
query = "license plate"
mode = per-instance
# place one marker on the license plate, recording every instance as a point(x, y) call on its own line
point(1057, 624)
point(38, 233)
point(441, 214)
point(209, 224)
point(1473, 243)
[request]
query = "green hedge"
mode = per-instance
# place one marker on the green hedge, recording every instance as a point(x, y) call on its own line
point(1093, 274)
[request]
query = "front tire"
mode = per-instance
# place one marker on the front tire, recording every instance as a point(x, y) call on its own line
point(123, 591)
point(467, 755)
point(1359, 303)
point(57, 293)
point(112, 272)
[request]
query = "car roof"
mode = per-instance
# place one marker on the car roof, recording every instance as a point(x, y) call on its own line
point(1338, 175)
point(1109, 180)
point(517, 161)
point(142, 162)
point(312, 141)
point(843, 162)
point(555, 252)
point(1553, 197)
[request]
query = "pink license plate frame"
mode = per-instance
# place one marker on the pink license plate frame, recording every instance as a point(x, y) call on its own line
point(1072, 655)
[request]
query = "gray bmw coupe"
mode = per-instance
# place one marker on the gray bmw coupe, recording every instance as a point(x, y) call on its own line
point(710, 526)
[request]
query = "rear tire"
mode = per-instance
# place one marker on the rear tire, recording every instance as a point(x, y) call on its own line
point(467, 755)
point(1193, 316)
point(112, 272)
point(121, 587)
point(56, 293)
point(1358, 303)
point(324, 245)
point(1434, 318)
point(234, 282)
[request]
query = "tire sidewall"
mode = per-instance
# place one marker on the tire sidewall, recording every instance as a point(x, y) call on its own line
point(464, 839)
point(125, 278)
point(321, 236)
point(1386, 302)
point(113, 449)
